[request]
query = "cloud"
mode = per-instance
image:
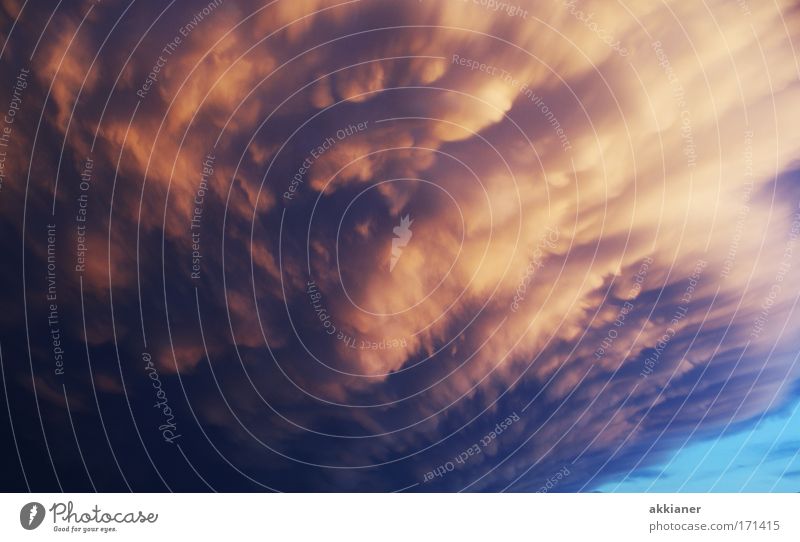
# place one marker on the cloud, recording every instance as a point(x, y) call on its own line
point(542, 168)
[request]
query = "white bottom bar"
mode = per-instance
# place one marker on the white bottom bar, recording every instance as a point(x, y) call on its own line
point(402, 517)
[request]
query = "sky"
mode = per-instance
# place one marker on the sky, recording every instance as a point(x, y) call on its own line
point(408, 245)
point(762, 458)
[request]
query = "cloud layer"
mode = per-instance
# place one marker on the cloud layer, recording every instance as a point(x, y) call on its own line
point(356, 237)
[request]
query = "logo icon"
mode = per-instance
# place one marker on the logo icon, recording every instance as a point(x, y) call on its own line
point(31, 515)
point(400, 240)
